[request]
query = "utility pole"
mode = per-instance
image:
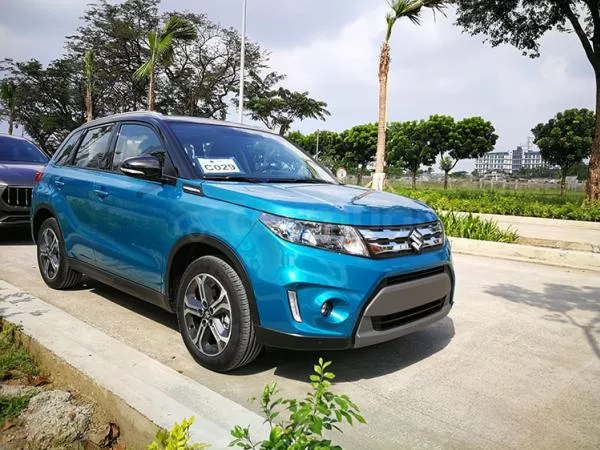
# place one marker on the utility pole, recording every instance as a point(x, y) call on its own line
point(317, 154)
point(242, 64)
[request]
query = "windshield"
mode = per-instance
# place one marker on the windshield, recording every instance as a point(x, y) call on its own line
point(238, 154)
point(20, 150)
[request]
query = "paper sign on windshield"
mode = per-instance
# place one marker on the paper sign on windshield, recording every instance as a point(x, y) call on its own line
point(221, 165)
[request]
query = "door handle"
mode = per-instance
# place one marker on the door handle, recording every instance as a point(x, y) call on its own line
point(59, 183)
point(101, 193)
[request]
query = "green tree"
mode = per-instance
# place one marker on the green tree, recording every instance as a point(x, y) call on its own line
point(50, 103)
point(400, 9)
point(522, 23)
point(161, 44)
point(473, 138)
point(409, 147)
point(8, 96)
point(566, 139)
point(446, 164)
point(359, 145)
point(88, 69)
point(278, 107)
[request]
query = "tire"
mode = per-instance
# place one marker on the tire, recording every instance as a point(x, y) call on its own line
point(52, 258)
point(202, 316)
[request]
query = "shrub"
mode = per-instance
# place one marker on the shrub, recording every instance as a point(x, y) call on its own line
point(473, 227)
point(321, 410)
point(178, 438)
point(517, 203)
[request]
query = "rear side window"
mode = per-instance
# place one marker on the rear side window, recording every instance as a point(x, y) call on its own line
point(94, 151)
point(136, 140)
point(66, 152)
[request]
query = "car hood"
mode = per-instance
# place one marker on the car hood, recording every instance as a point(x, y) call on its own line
point(349, 205)
point(18, 174)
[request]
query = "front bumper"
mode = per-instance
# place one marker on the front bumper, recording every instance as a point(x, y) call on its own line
point(15, 202)
point(374, 300)
point(399, 306)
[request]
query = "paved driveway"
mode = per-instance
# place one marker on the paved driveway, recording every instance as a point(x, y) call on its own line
point(516, 365)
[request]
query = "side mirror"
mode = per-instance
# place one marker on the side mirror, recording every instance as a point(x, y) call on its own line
point(146, 167)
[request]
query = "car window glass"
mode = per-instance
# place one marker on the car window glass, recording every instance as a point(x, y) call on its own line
point(14, 150)
point(64, 155)
point(94, 152)
point(136, 140)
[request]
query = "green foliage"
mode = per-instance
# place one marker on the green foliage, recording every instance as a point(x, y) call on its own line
point(472, 227)
point(516, 203)
point(178, 438)
point(14, 360)
point(278, 107)
point(411, 10)
point(566, 139)
point(320, 411)
point(359, 145)
point(409, 147)
point(11, 407)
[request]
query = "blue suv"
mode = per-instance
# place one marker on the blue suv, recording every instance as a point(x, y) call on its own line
point(246, 238)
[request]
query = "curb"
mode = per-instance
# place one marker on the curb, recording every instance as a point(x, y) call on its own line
point(130, 381)
point(573, 259)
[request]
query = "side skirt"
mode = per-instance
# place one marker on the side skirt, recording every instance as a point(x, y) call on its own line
point(122, 284)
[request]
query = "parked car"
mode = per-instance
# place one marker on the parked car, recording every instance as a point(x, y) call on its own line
point(20, 159)
point(247, 239)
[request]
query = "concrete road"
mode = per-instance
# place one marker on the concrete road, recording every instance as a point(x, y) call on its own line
point(516, 365)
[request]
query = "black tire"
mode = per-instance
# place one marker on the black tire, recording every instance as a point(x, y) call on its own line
point(64, 277)
point(242, 347)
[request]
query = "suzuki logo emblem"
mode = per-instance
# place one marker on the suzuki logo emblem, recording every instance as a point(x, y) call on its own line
point(415, 240)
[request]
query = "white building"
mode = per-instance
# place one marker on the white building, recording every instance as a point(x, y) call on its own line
point(510, 162)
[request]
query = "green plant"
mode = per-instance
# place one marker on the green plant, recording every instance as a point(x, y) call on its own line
point(472, 227)
point(14, 360)
point(321, 410)
point(177, 438)
point(11, 407)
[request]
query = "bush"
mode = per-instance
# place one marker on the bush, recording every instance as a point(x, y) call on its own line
point(320, 411)
point(176, 439)
point(473, 227)
point(516, 203)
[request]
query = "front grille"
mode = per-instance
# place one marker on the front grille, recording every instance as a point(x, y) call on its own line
point(404, 278)
point(383, 323)
point(403, 240)
point(17, 197)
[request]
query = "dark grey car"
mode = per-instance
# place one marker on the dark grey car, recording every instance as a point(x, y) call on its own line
point(20, 160)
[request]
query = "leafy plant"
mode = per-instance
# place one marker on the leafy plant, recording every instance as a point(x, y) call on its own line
point(320, 411)
point(11, 407)
point(178, 438)
point(14, 360)
point(473, 227)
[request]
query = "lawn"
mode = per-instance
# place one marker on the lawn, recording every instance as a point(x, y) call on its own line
point(523, 202)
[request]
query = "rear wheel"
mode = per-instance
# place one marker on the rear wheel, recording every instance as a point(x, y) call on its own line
point(52, 259)
point(213, 312)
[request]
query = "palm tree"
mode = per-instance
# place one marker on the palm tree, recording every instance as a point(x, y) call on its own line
point(162, 51)
point(88, 66)
point(446, 164)
point(8, 93)
point(410, 9)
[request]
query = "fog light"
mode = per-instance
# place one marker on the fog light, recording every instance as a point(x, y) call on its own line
point(326, 308)
point(293, 301)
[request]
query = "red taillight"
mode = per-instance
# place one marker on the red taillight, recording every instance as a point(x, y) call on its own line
point(38, 176)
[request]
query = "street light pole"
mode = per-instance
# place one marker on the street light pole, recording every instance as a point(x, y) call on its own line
point(242, 64)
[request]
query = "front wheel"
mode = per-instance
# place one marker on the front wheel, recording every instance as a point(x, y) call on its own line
point(52, 258)
point(213, 312)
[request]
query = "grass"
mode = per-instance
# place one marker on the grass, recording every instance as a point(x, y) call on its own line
point(15, 362)
point(508, 202)
point(473, 227)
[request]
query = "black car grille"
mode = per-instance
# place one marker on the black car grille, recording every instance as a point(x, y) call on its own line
point(17, 197)
point(383, 323)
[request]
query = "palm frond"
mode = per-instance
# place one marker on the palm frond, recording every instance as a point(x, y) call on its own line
point(179, 29)
point(144, 70)
point(88, 63)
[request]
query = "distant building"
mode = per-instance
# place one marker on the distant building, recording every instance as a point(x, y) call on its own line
point(510, 162)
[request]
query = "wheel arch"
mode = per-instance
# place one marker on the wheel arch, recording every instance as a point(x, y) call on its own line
point(41, 213)
point(194, 246)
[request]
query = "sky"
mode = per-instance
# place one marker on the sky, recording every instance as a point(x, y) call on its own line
point(331, 49)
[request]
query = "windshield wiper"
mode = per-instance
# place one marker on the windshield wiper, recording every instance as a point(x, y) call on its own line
point(299, 181)
point(233, 178)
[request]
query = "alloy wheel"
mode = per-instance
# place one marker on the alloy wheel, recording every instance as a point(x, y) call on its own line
point(49, 253)
point(207, 314)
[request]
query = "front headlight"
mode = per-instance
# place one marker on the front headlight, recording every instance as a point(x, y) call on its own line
point(337, 238)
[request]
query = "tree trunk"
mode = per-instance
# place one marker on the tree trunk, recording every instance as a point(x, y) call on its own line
point(414, 180)
point(384, 68)
point(88, 102)
point(563, 181)
point(359, 175)
point(11, 120)
point(151, 89)
point(445, 180)
point(593, 184)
